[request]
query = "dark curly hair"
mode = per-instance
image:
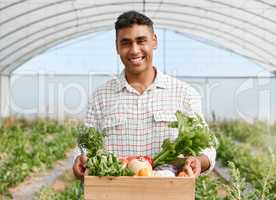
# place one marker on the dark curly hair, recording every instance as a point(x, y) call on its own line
point(129, 18)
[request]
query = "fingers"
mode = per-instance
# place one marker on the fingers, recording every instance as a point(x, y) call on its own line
point(193, 164)
point(188, 161)
point(189, 171)
point(79, 166)
point(197, 171)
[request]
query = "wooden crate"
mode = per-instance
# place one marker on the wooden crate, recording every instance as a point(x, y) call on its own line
point(139, 188)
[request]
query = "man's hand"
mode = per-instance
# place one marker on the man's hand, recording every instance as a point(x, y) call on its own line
point(79, 166)
point(198, 164)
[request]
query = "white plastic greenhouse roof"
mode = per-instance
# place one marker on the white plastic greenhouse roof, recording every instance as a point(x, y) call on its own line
point(30, 27)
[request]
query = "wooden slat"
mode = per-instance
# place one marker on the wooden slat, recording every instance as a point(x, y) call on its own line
point(139, 188)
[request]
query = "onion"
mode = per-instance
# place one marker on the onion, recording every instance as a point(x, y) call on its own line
point(163, 173)
point(139, 163)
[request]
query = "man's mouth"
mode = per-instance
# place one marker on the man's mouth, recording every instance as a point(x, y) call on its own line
point(137, 60)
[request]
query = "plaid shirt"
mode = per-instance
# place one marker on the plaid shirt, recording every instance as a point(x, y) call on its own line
point(137, 124)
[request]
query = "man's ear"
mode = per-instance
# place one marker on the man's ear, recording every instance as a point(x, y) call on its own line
point(116, 44)
point(155, 41)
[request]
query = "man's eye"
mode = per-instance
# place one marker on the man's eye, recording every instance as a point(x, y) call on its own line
point(141, 41)
point(125, 43)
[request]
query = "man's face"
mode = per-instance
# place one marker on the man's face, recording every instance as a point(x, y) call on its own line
point(135, 46)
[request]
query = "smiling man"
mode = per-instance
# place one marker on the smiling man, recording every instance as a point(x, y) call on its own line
point(135, 108)
point(135, 43)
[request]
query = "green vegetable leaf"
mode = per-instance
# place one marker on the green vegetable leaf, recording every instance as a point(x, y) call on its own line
point(100, 162)
point(193, 137)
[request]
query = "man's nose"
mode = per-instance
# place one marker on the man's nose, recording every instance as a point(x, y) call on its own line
point(134, 48)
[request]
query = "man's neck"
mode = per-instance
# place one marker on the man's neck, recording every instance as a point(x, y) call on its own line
point(141, 81)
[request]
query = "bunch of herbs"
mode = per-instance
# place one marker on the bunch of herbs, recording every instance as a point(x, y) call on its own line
point(100, 162)
point(193, 137)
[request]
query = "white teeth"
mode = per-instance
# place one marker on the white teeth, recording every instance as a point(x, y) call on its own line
point(136, 60)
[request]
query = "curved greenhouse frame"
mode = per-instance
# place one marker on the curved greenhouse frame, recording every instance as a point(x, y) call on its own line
point(30, 27)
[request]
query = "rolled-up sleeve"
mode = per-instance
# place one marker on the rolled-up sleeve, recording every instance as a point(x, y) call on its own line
point(211, 154)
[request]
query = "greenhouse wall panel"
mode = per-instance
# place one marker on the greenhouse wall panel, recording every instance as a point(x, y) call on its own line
point(62, 96)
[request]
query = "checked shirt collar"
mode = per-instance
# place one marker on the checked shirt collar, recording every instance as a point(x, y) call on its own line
point(159, 82)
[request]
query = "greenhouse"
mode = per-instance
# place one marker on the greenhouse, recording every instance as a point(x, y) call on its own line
point(55, 54)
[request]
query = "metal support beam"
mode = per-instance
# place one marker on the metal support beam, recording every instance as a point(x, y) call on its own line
point(4, 95)
point(144, 6)
point(164, 51)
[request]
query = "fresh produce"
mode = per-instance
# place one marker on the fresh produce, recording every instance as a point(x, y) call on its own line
point(126, 160)
point(163, 173)
point(182, 174)
point(145, 172)
point(140, 165)
point(105, 163)
point(166, 167)
point(90, 140)
point(186, 171)
point(100, 162)
point(193, 136)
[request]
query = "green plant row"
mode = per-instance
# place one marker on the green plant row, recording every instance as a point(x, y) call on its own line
point(31, 146)
point(73, 192)
point(258, 169)
point(258, 134)
point(251, 148)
